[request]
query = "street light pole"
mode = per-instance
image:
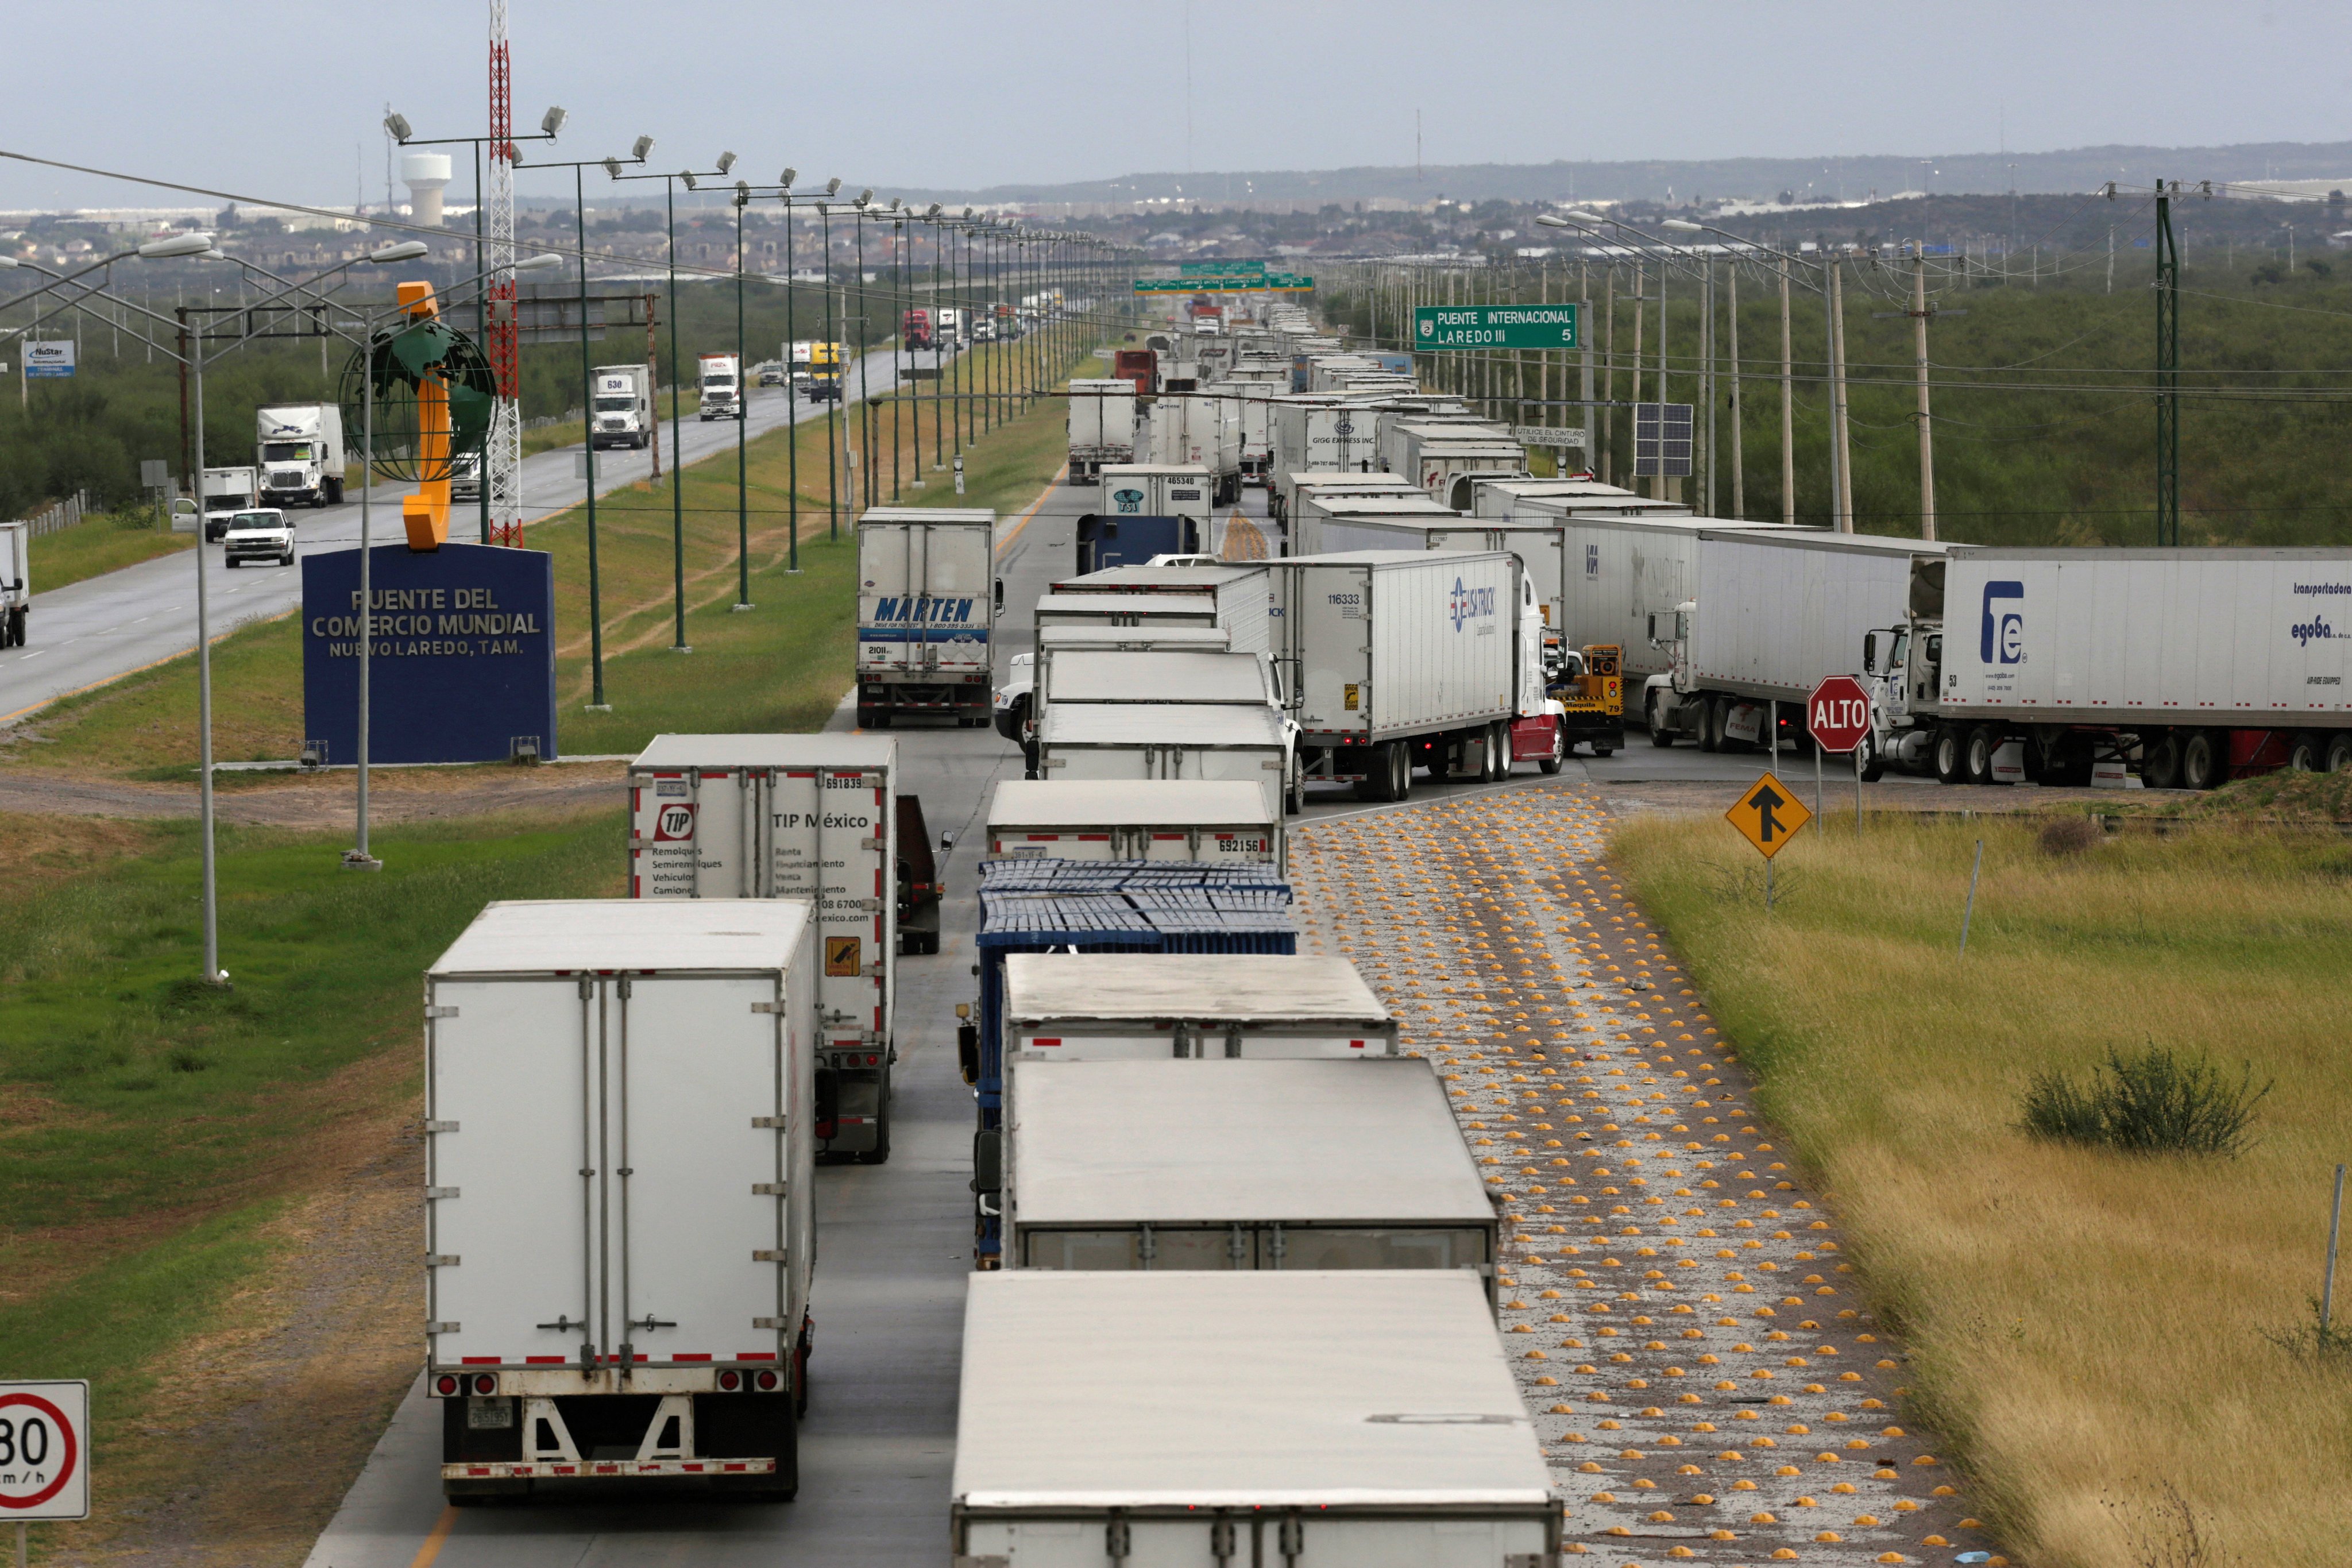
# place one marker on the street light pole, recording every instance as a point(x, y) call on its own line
point(742, 420)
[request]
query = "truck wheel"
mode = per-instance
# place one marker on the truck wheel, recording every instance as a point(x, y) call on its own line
point(1550, 763)
point(880, 1152)
point(1293, 794)
point(1710, 719)
point(1498, 752)
point(1872, 761)
point(2306, 753)
point(2205, 760)
point(1983, 741)
point(1441, 760)
point(2160, 762)
point(1951, 755)
point(1660, 736)
point(2339, 746)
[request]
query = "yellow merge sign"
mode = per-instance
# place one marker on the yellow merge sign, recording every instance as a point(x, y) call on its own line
point(1768, 815)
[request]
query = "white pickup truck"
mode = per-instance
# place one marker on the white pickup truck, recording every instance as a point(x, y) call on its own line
point(260, 535)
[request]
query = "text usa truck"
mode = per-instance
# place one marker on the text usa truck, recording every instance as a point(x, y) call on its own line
point(926, 606)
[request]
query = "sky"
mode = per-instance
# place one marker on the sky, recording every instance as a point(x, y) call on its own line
point(282, 101)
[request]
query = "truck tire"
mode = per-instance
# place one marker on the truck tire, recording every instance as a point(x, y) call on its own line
point(1440, 759)
point(1950, 753)
point(1977, 764)
point(2205, 759)
point(1498, 751)
point(1293, 791)
point(880, 1152)
point(2159, 762)
point(1660, 735)
point(1550, 763)
point(1871, 760)
point(2339, 745)
point(2306, 752)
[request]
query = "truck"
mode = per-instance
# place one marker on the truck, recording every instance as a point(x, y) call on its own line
point(299, 448)
point(1105, 541)
point(926, 610)
point(619, 1234)
point(721, 379)
point(1262, 1163)
point(1170, 741)
point(1283, 491)
point(1125, 906)
point(1155, 490)
point(915, 328)
point(1102, 426)
point(921, 886)
point(1203, 429)
point(1211, 821)
point(1337, 519)
point(224, 491)
point(1239, 594)
point(2071, 667)
point(1289, 1419)
point(1322, 433)
point(812, 817)
point(820, 371)
point(16, 582)
point(1621, 574)
point(623, 412)
point(1771, 614)
point(949, 324)
point(1079, 1006)
point(1397, 659)
point(1434, 461)
point(1016, 696)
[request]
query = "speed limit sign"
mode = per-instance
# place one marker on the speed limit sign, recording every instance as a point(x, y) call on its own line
point(44, 1450)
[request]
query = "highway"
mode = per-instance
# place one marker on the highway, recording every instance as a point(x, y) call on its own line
point(107, 626)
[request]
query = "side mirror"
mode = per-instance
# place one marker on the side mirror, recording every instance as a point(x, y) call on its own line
point(1869, 653)
point(947, 840)
point(1000, 594)
point(988, 1161)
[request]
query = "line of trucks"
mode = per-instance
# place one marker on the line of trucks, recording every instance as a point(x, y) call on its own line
point(1195, 1150)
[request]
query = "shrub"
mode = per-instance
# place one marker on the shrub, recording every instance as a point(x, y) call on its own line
point(2153, 1103)
point(2068, 835)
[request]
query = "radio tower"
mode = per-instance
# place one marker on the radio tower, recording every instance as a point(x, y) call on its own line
point(502, 461)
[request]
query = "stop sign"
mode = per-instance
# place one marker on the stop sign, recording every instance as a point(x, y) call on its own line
point(1838, 713)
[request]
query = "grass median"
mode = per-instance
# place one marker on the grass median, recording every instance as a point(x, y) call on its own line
point(2122, 1345)
point(107, 542)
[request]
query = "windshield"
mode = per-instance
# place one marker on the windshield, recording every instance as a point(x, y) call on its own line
point(285, 451)
point(717, 382)
point(257, 520)
point(616, 405)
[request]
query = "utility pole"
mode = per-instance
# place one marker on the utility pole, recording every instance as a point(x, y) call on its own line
point(1919, 352)
point(1707, 377)
point(2168, 375)
point(1738, 411)
point(1787, 409)
point(1842, 504)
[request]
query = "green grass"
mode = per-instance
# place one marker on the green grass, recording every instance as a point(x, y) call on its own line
point(2086, 1326)
point(99, 545)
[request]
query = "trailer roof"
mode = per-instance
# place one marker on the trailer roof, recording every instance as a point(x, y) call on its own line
point(1133, 579)
point(1395, 557)
point(1168, 1143)
point(1258, 1388)
point(819, 751)
point(1108, 636)
point(1407, 504)
point(1139, 802)
point(929, 514)
point(1167, 470)
point(1199, 608)
point(1559, 509)
point(1160, 724)
point(1821, 539)
point(574, 935)
point(1304, 988)
point(1143, 675)
point(1341, 479)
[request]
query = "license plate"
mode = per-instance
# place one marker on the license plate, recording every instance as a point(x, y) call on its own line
point(489, 1415)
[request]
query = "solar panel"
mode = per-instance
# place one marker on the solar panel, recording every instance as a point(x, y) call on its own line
point(1662, 439)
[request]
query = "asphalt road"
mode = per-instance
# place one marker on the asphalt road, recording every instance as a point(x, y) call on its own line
point(107, 626)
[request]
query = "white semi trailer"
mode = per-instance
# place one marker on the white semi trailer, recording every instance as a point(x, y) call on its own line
point(16, 582)
point(1166, 1164)
point(1771, 614)
point(1394, 660)
point(2197, 666)
point(1016, 698)
point(1240, 595)
point(925, 612)
point(793, 816)
point(619, 1232)
point(1123, 740)
point(1308, 1419)
point(1102, 426)
point(1617, 573)
point(621, 414)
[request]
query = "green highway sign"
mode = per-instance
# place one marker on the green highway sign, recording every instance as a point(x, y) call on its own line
point(1221, 268)
point(1266, 283)
point(1439, 327)
point(1297, 282)
point(1166, 286)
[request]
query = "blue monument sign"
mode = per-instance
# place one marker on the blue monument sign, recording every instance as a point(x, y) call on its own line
point(463, 664)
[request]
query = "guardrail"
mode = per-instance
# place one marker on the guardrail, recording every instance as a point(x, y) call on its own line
point(65, 514)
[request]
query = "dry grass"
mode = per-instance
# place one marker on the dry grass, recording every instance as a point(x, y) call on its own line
point(2093, 1328)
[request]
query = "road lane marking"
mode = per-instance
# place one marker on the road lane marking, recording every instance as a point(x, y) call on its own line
point(432, 1547)
point(1023, 520)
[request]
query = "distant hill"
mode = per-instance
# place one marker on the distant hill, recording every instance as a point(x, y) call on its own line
point(1813, 179)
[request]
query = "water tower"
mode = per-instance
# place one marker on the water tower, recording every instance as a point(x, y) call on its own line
point(425, 175)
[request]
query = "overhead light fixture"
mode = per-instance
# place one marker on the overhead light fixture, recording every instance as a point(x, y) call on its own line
point(865, 195)
point(726, 161)
point(539, 263)
point(398, 125)
point(1683, 226)
point(934, 211)
point(406, 250)
point(642, 145)
point(613, 167)
point(689, 177)
point(742, 192)
point(789, 175)
point(553, 121)
point(176, 245)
